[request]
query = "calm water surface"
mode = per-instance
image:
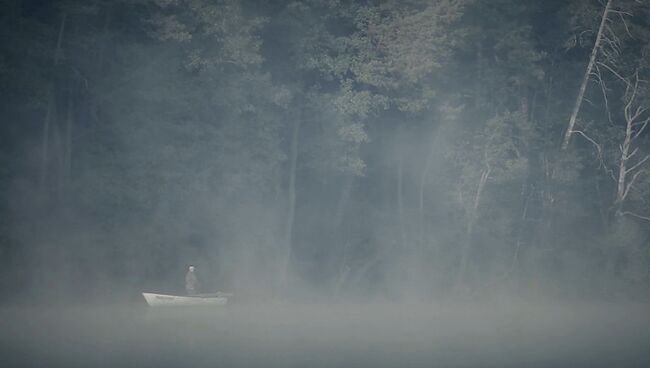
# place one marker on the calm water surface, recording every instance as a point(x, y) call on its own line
point(338, 335)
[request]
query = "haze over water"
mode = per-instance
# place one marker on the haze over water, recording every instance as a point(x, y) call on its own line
point(494, 334)
point(334, 164)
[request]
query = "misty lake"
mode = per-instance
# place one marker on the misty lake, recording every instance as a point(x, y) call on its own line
point(337, 335)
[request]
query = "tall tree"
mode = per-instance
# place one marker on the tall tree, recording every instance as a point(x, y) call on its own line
point(600, 35)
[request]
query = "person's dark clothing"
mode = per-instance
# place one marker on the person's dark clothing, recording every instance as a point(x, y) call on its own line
point(191, 283)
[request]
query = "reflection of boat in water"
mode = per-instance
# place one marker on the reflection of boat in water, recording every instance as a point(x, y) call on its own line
point(160, 300)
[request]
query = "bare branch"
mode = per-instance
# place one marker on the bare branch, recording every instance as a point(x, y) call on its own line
point(583, 32)
point(635, 215)
point(603, 88)
point(590, 140)
point(589, 101)
point(611, 173)
point(630, 100)
point(608, 56)
point(632, 154)
point(620, 12)
point(624, 80)
point(643, 124)
point(638, 112)
point(614, 42)
point(638, 164)
point(627, 29)
point(630, 184)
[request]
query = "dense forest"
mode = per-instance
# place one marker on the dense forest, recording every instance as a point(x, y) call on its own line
point(380, 149)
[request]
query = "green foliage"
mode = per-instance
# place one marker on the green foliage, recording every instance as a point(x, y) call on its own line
point(181, 115)
point(232, 37)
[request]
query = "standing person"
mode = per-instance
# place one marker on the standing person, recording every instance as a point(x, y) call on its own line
point(191, 282)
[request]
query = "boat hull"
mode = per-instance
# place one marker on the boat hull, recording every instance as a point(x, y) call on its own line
point(164, 300)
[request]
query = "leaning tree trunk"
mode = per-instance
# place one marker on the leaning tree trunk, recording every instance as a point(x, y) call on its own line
point(585, 79)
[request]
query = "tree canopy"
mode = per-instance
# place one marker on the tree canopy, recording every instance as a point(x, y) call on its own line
point(378, 148)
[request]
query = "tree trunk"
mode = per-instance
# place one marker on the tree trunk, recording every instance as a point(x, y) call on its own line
point(293, 164)
point(45, 141)
point(635, 125)
point(622, 168)
point(51, 105)
point(467, 244)
point(546, 225)
point(104, 40)
point(344, 198)
point(520, 231)
point(478, 80)
point(603, 209)
point(400, 200)
point(340, 235)
point(59, 40)
point(585, 79)
point(422, 184)
point(67, 160)
point(58, 148)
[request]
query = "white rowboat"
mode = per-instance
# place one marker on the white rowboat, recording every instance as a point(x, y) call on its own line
point(160, 300)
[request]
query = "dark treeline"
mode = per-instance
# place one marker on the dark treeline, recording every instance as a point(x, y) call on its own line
point(395, 149)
